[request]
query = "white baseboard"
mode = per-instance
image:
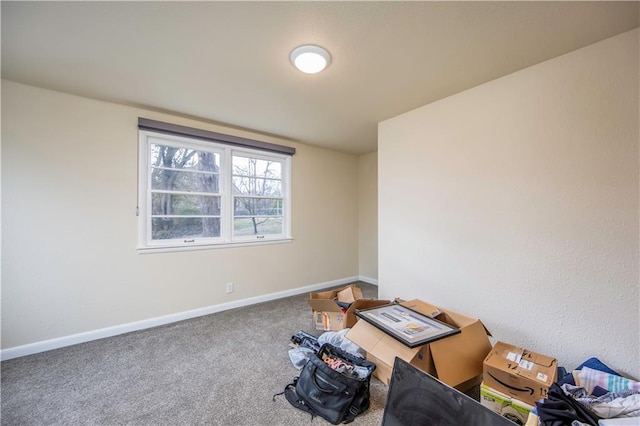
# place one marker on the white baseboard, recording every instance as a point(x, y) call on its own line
point(373, 281)
point(60, 342)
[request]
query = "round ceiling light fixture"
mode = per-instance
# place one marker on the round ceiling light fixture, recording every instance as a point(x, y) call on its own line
point(310, 59)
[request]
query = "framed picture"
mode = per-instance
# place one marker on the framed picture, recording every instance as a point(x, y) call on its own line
point(409, 327)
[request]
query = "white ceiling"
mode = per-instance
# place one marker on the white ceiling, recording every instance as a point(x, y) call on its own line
point(228, 62)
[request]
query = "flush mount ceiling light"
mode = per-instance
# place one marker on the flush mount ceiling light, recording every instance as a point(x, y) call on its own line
point(310, 59)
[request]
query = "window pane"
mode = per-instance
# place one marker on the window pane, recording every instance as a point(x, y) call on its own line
point(184, 158)
point(255, 167)
point(256, 186)
point(164, 228)
point(184, 205)
point(257, 206)
point(257, 226)
point(176, 180)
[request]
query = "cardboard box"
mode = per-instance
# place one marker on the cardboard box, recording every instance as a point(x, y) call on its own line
point(455, 360)
point(511, 408)
point(519, 373)
point(329, 316)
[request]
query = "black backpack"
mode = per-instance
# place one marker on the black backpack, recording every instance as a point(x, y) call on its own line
point(333, 384)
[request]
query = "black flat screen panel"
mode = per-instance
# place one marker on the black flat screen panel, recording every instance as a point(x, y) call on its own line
point(417, 399)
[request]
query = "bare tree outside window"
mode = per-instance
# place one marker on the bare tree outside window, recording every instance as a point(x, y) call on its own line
point(258, 202)
point(184, 193)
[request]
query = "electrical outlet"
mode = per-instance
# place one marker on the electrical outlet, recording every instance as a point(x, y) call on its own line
point(229, 287)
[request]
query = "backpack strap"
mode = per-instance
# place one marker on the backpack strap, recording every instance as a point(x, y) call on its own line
point(353, 412)
point(293, 398)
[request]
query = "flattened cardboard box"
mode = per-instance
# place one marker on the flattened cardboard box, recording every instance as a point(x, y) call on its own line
point(455, 360)
point(519, 373)
point(328, 315)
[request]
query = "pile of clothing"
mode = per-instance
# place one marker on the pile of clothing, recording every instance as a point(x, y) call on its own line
point(593, 394)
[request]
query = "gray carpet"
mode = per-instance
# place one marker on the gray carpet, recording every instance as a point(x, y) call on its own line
point(219, 369)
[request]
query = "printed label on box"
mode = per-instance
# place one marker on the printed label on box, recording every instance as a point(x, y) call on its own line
point(527, 365)
point(542, 377)
point(514, 357)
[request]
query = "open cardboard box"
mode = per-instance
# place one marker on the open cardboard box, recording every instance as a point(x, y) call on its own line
point(329, 316)
point(456, 360)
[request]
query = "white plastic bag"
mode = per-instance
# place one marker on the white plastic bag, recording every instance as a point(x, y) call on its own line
point(300, 355)
point(338, 339)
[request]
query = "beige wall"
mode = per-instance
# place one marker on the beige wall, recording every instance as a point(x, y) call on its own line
point(517, 202)
point(368, 217)
point(69, 262)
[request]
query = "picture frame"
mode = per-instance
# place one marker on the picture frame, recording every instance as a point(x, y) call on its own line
point(407, 326)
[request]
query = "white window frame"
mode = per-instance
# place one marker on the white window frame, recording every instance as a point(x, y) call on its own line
point(145, 242)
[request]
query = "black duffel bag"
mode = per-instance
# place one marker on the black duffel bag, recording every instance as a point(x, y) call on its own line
point(333, 384)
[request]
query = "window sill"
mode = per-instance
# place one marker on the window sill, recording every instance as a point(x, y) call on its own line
point(165, 249)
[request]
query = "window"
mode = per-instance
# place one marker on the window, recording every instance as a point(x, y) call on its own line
point(199, 193)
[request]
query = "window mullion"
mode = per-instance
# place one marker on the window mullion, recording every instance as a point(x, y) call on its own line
point(170, 191)
point(227, 204)
point(148, 192)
